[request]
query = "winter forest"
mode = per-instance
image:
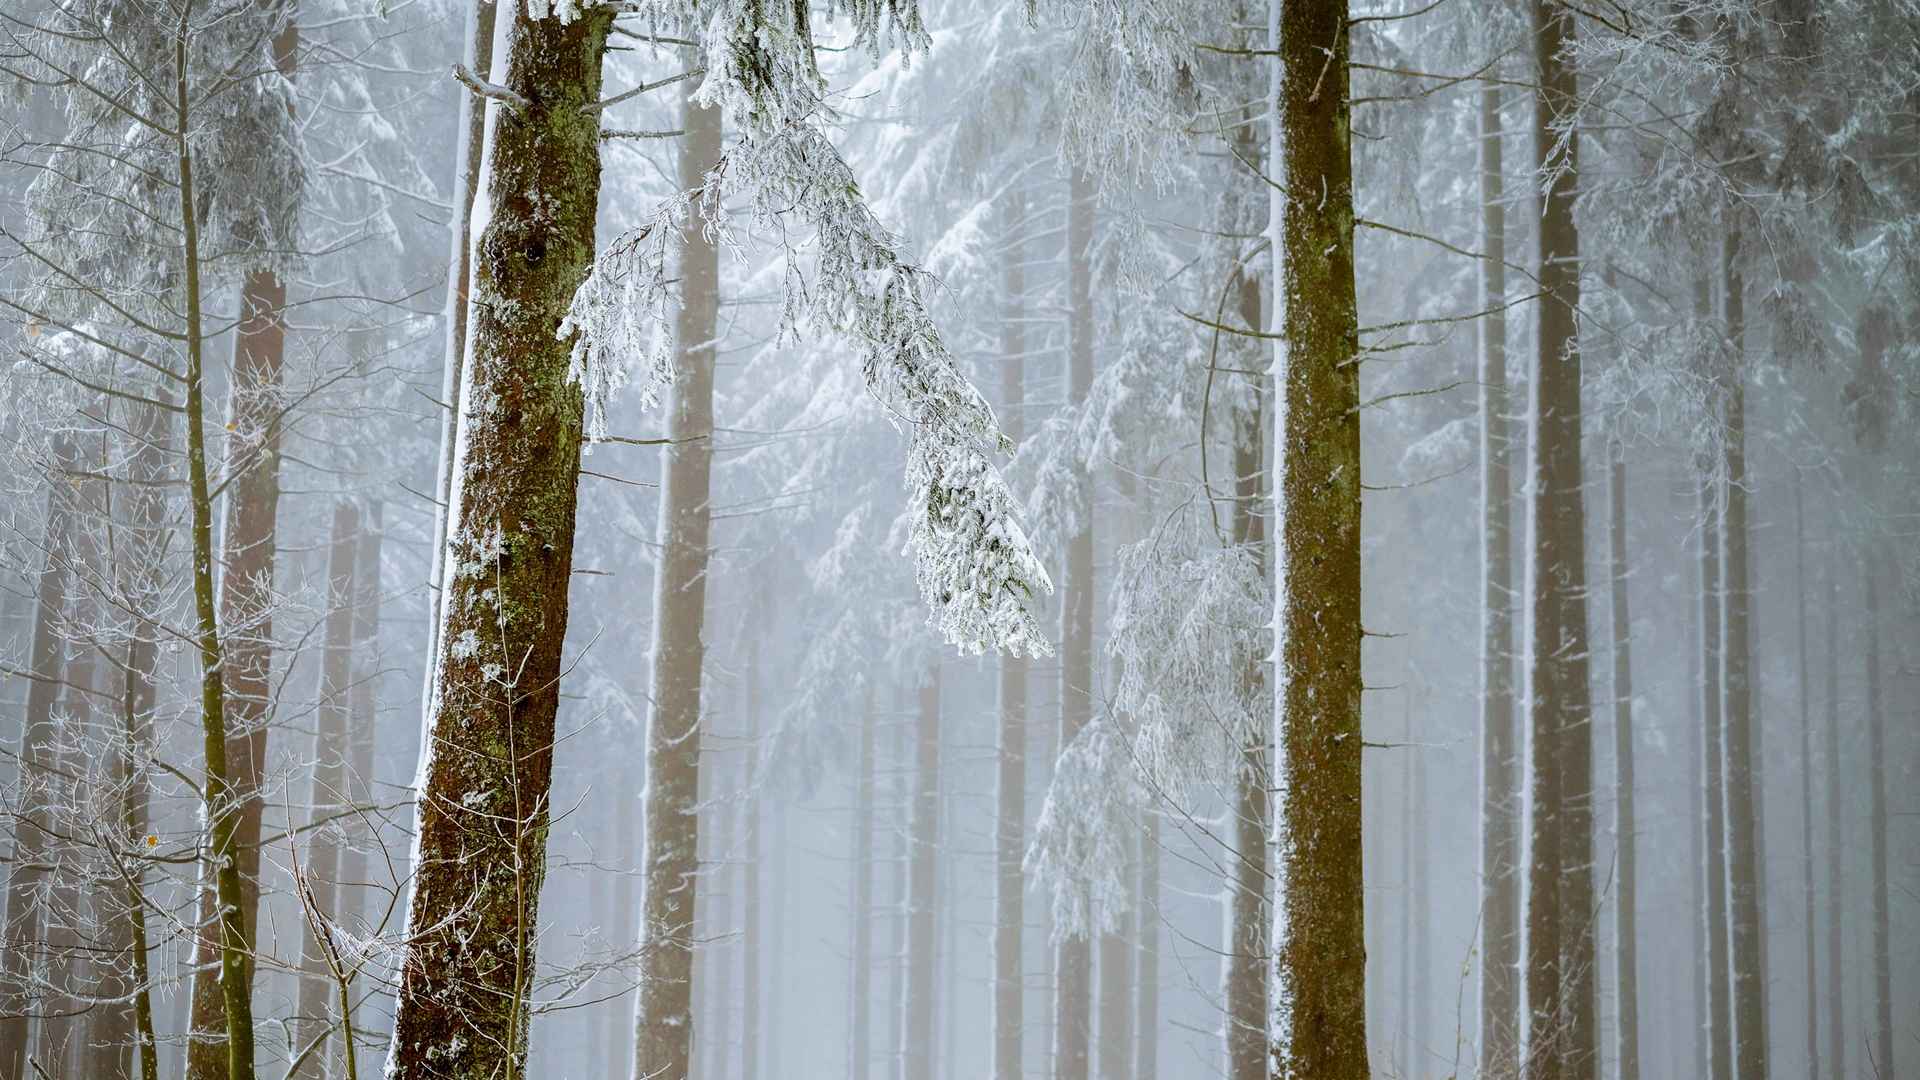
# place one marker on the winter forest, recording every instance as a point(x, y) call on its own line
point(951, 539)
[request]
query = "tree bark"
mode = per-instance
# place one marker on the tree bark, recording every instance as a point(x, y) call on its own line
point(481, 834)
point(860, 1024)
point(751, 942)
point(37, 766)
point(1802, 672)
point(1560, 908)
point(1073, 953)
point(1719, 1020)
point(1146, 1025)
point(252, 483)
point(1626, 933)
point(1881, 1048)
point(358, 897)
point(918, 1003)
point(1836, 801)
point(1320, 942)
point(1499, 739)
point(1743, 852)
point(665, 1034)
point(1010, 836)
point(320, 862)
point(1249, 956)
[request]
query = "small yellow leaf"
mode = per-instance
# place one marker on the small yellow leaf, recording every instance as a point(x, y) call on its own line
point(152, 840)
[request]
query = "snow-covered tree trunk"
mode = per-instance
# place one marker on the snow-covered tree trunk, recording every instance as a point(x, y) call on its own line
point(38, 757)
point(1626, 935)
point(923, 896)
point(320, 861)
point(466, 182)
point(1560, 938)
point(860, 1013)
point(1743, 849)
point(1073, 952)
point(1010, 836)
point(1319, 996)
point(481, 832)
point(1499, 737)
point(1719, 1022)
point(248, 543)
point(664, 1025)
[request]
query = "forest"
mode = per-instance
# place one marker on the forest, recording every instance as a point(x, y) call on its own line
point(951, 539)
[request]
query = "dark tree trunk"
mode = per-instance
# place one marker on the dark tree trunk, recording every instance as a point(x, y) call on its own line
point(1560, 908)
point(1010, 836)
point(1626, 932)
point(481, 833)
point(1320, 969)
point(1743, 849)
point(1249, 1054)
point(313, 1018)
point(665, 1035)
point(923, 895)
point(1499, 739)
point(1073, 954)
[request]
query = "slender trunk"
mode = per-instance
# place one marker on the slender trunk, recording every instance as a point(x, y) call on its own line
point(1248, 958)
point(664, 1028)
point(1146, 1025)
point(1419, 903)
point(860, 1041)
point(1403, 951)
point(923, 893)
point(1626, 934)
point(1010, 836)
point(252, 495)
point(466, 182)
point(720, 870)
point(37, 768)
point(901, 859)
point(750, 884)
point(1719, 1023)
point(1073, 953)
point(1743, 850)
point(1881, 1047)
point(1320, 943)
point(618, 1048)
point(321, 861)
point(70, 968)
point(1836, 801)
point(1499, 739)
point(1802, 672)
point(1696, 768)
point(1114, 1050)
point(481, 831)
point(1560, 908)
point(360, 903)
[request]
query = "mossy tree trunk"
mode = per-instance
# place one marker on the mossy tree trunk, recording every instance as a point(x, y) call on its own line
point(1320, 945)
point(481, 834)
point(664, 1032)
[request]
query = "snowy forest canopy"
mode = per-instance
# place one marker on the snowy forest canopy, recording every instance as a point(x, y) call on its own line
point(1070, 538)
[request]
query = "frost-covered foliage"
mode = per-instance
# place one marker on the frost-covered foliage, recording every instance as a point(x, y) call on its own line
point(1190, 618)
point(1079, 848)
point(974, 564)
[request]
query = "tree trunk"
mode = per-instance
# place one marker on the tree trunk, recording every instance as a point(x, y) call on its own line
point(860, 1039)
point(1626, 935)
point(1881, 1061)
point(1499, 739)
point(923, 889)
point(664, 1041)
point(1010, 836)
point(1146, 1025)
point(901, 859)
point(750, 939)
point(358, 897)
point(466, 182)
point(1696, 768)
point(619, 1036)
point(1719, 1023)
point(719, 935)
point(1743, 853)
point(1802, 671)
point(1320, 943)
point(313, 1019)
point(252, 483)
point(1114, 1051)
point(1560, 908)
point(1248, 957)
point(37, 767)
point(481, 833)
point(70, 962)
point(1073, 953)
point(1836, 801)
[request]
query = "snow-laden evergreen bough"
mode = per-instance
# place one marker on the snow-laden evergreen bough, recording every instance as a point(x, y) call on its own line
point(974, 562)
